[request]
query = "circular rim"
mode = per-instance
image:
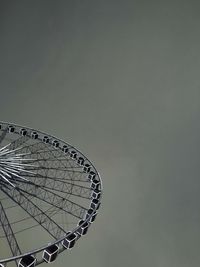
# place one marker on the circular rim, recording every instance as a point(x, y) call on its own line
point(41, 134)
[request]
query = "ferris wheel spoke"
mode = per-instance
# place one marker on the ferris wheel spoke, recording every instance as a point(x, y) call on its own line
point(59, 174)
point(52, 159)
point(62, 173)
point(62, 158)
point(43, 176)
point(29, 148)
point(56, 155)
point(47, 157)
point(49, 161)
point(61, 186)
point(53, 199)
point(62, 179)
point(9, 234)
point(66, 169)
point(42, 151)
point(35, 212)
point(67, 187)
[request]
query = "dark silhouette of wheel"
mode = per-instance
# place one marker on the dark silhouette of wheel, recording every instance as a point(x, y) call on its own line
point(50, 194)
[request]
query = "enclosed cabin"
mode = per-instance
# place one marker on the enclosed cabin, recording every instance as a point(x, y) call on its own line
point(83, 227)
point(95, 184)
point(91, 214)
point(86, 168)
point(11, 129)
point(27, 261)
point(51, 253)
point(55, 143)
point(34, 135)
point(69, 240)
point(73, 154)
point(65, 149)
point(45, 139)
point(80, 161)
point(23, 132)
point(91, 175)
point(96, 194)
point(95, 204)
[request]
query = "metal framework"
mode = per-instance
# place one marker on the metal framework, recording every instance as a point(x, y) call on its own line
point(46, 186)
point(12, 241)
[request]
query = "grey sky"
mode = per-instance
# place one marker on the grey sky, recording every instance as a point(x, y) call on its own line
point(120, 81)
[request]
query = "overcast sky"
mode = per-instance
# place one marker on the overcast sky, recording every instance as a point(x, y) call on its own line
point(120, 81)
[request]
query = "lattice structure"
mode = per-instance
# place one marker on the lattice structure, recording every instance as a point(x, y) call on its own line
point(46, 186)
point(14, 247)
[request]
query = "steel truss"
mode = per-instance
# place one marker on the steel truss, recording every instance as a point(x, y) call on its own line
point(12, 241)
point(52, 199)
point(35, 212)
point(47, 184)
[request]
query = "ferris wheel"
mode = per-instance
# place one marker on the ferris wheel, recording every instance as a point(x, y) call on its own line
point(50, 194)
